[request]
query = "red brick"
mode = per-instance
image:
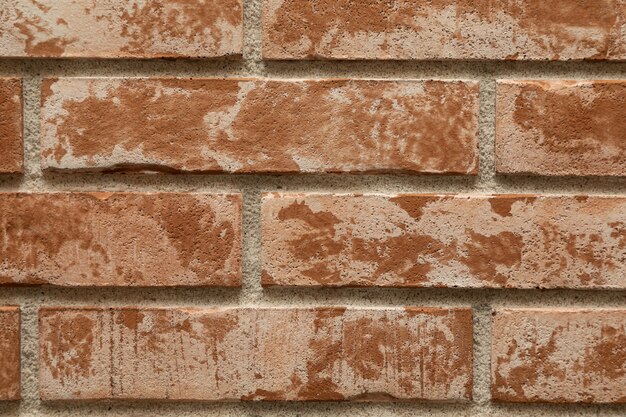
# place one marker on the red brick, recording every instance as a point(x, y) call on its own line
point(561, 127)
point(11, 154)
point(256, 126)
point(559, 356)
point(302, 354)
point(444, 241)
point(128, 29)
point(120, 239)
point(444, 29)
point(9, 353)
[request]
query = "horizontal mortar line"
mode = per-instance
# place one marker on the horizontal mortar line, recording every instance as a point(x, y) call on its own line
point(329, 409)
point(318, 184)
point(298, 406)
point(311, 69)
point(311, 297)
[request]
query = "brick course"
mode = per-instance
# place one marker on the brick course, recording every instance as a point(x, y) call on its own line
point(303, 354)
point(131, 29)
point(10, 371)
point(562, 127)
point(257, 126)
point(11, 154)
point(560, 356)
point(120, 239)
point(444, 29)
point(499, 241)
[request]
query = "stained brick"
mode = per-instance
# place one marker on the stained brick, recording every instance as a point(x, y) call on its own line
point(9, 353)
point(257, 126)
point(561, 127)
point(503, 241)
point(121, 29)
point(444, 29)
point(120, 239)
point(559, 356)
point(325, 353)
point(11, 148)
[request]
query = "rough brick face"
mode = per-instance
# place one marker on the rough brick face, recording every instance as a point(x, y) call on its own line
point(9, 353)
point(559, 356)
point(120, 239)
point(248, 126)
point(11, 153)
point(444, 241)
point(117, 29)
point(440, 29)
point(561, 127)
point(327, 353)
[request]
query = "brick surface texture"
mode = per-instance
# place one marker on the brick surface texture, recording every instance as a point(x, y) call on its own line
point(250, 125)
point(559, 356)
point(251, 354)
point(444, 241)
point(9, 353)
point(127, 29)
point(561, 127)
point(11, 154)
point(312, 208)
point(444, 29)
point(120, 239)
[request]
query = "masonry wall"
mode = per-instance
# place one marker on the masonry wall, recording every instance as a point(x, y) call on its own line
point(341, 208)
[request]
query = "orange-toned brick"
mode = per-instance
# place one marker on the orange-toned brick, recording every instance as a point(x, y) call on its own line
point(11, 148)
point(9, 353)
point(120, 239)
point(559, 356)
point(561, 127)
point(295, 354)
point(444, 29)
point(257, 126)
point(518, 241)
point(121, 29)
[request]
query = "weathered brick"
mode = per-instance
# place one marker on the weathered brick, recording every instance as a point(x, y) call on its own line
point(118, 29)
point(504, 241)
point(9, 353)
point(246, 125)
point(559, 356)
point(561, 127)
point(325, 353)
point(11, 148)
point(120, 239)
point(442, 29)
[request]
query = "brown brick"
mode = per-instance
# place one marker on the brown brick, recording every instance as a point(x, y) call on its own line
point(127, 29)
point(120, 239)
point(11, 148)
point(326, 353)
point(561, 127)
point(442, 29)
point(246, 125)
point(504, 241)
point(559, 356)
point(9, 353)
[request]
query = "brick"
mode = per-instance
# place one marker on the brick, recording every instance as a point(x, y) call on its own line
point(121, 29)
point(257, 126)
point(559, 356)
point(120, 239)
point(444, 29)
point(9, 353)
point(480, 241)
point(561, 127)
point(276, 354)
point(11, 154)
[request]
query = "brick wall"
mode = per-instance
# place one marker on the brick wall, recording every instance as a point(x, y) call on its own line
point(312, 208)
